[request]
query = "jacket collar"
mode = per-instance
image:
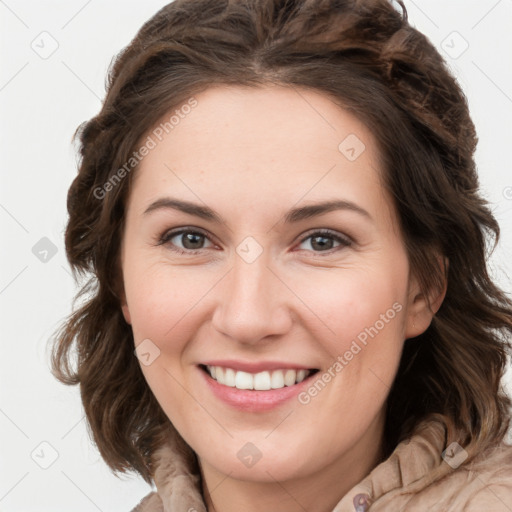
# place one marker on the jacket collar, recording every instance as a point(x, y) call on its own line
point(413, 465)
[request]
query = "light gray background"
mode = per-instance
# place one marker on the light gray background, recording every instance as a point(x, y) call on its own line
point(43, 98)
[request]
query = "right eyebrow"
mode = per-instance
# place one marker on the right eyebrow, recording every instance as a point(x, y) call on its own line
point(185, 206)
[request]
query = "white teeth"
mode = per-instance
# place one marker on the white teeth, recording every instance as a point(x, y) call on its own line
point(277, 380)
point(262, 381)
point(244, 380)
point(229, 378)
point(301, 375)
point(289, 377)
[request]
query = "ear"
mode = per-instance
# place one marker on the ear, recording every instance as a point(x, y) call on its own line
point(126, 313)
point(421, 308)
point(125, 309)
point(119, 286)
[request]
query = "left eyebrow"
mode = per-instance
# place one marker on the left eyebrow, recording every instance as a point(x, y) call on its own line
point(312, 210)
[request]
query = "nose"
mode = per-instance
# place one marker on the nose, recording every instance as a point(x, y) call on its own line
point(252, 303)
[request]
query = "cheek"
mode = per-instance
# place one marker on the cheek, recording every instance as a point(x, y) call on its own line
point(163, 303)
point(160, 298)
point(348, 304)
point(359, 319)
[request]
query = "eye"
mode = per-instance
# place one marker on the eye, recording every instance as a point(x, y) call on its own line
point(185, 240)
point(325, 240)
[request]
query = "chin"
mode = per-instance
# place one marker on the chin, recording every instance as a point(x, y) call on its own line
point(251, 464)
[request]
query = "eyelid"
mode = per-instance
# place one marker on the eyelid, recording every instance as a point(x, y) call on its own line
point(326, 231)
point(171, 233)
point(341, 238)
point(344, 240)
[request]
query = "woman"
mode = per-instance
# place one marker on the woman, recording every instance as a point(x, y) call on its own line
point(289, 306)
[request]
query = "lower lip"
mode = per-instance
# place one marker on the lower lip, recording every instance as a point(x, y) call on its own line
point(254, 401)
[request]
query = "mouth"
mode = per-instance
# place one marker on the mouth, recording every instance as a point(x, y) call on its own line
point(267, 380)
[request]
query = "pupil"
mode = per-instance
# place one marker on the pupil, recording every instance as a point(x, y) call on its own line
point(191, 240)
point(321, 242)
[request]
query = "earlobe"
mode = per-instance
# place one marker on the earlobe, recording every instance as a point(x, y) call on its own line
point(123, 302)
point(437, 296)
point(422, 308)
point(419, 316)
point(125, 309)
point(126, 313)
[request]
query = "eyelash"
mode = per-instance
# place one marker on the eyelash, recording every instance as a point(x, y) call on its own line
point(344, 241)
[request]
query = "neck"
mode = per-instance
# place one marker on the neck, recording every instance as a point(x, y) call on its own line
point(317, 492)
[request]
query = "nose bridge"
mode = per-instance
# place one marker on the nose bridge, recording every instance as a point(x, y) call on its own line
point(252, 303)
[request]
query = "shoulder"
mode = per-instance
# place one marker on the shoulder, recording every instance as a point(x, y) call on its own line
point(150, 503)
point(492, 472)
point(483, 484)
point(494, 497)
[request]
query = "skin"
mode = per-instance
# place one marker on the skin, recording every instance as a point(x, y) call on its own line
point(251, 155)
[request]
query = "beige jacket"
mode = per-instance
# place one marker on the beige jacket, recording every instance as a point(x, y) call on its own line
point(420, 475)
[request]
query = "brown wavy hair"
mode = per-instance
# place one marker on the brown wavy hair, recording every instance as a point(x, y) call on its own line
point(367, 58)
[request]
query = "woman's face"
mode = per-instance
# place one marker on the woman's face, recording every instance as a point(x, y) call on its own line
point(260, 241)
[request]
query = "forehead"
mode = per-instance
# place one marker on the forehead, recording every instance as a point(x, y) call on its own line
point(254, 143)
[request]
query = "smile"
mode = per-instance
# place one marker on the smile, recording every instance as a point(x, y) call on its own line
point(261, 381)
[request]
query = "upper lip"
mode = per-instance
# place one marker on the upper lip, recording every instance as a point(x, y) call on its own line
point(256, 367)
